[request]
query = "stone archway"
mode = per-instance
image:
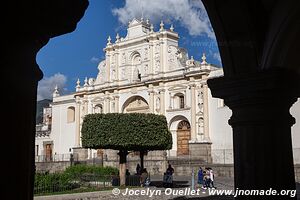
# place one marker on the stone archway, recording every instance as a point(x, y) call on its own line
point(183, 138)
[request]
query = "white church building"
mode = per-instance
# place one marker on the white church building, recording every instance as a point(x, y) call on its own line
point(146, 71)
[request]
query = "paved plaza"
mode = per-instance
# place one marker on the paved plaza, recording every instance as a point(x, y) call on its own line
point(155, 192)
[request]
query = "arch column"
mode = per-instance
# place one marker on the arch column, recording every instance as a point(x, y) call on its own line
point(261, 123)
point(205, 113)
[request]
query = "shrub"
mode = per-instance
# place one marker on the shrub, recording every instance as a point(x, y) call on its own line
point(48, 183)
point(79, 170)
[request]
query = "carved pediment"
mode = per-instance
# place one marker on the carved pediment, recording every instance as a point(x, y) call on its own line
point(177, 87)
point(137, 104)
point(97, 100)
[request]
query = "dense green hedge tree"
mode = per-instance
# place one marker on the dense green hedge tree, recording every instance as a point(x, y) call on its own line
point(126, 132)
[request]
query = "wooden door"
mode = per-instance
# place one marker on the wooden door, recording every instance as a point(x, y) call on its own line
point(48, 152)
point(183, 138)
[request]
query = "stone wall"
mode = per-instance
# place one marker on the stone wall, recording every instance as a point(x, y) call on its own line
point(201, 151)
point(155, 167)
point(52, 167)
point(155, 162)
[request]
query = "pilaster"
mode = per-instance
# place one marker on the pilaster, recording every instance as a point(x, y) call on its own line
point(193, 111)
point(151, 98)
point(77, 121)
point(162, 101)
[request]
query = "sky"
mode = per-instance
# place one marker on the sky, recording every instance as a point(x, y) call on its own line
point(76, 55)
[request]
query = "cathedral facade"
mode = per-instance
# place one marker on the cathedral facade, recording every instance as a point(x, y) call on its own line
point(146, 71)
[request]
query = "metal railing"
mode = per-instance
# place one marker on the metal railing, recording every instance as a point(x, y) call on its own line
point(56, 158)
point(60, 182)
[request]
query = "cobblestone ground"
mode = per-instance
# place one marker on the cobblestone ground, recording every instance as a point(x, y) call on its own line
point(158, 192)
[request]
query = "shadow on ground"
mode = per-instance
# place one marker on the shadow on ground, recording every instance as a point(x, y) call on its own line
point(176, 184)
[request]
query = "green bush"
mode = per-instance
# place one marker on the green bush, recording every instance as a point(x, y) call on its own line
point(80, 170)
point(126, 131)
point(48, 183)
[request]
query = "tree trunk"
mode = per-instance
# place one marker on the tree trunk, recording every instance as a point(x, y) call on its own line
point(123, 155)
point(142, 153)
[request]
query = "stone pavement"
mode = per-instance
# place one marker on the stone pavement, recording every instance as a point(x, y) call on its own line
point(157, 192)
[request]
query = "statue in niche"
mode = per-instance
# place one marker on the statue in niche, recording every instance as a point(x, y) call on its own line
point(157, 48)
point(113, 59)
point(113, 74)
point(123, 73)
point(146, 53)
point(200, 101)
point(146, 69)
point(123, 58)
point(157, 63)
point(136, 74)
point(172, 57)
point(201, 126)
point(101, 73)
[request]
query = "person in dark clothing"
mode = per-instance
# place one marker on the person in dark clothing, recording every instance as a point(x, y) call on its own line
point(138, 169)
point(170, 170)
point(200, 177)
point(168, 177)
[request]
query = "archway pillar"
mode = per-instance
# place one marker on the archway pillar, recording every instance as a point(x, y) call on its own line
point(261, 123)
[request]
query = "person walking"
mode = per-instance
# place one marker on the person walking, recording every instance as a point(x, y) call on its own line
point(211, 176)
point(200, 177)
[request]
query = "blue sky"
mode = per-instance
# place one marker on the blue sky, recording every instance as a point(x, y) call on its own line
point(76, 55)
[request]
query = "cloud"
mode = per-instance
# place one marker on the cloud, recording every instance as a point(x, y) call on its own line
point(190, 14)
point(95, 59)
point(47, 84)
point(217, 56)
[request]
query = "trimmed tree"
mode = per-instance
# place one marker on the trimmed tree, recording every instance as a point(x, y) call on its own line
point(126, 132)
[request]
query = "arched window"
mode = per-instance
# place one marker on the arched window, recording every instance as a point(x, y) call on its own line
point(98, 109)
point(180, 101)
point(71, 114)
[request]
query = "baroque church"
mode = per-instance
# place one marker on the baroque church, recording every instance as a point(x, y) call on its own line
point(146, 71)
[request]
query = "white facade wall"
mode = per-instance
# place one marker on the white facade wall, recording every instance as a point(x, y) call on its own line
point(63, 132)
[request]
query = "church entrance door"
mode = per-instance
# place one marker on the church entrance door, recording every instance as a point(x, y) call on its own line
point(183, 138)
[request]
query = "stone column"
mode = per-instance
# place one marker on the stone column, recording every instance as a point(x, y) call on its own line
point(170, 100)
point(85, 103)
point(106, 103)
point(151, 71)
point(117, 98)
point(151, 98)
point(193, 112)
point(90, 107)
point(185, 99)
point(117, 65)
point(205, 113)
point(77, 121)
point(261, 123)
point(162, 101)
